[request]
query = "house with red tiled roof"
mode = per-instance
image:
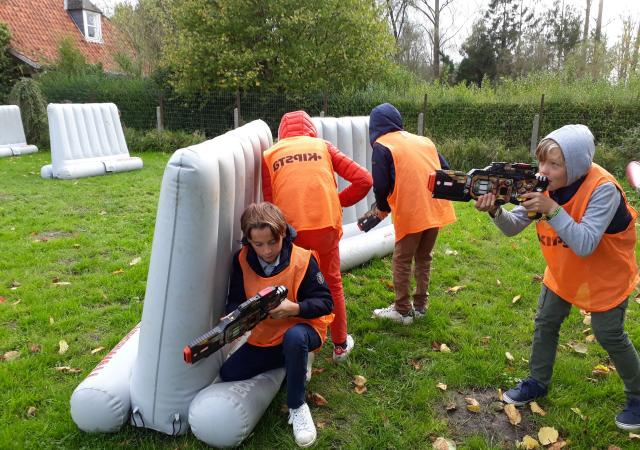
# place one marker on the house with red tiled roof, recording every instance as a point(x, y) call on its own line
point(38, 26)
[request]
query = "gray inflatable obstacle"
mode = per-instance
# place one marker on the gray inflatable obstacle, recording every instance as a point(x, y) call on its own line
point(12, 139)
point(86, 140)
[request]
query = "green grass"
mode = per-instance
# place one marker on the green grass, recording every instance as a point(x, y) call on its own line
point(97, 226)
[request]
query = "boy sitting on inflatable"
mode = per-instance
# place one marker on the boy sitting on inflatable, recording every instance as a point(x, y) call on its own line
point(268, 257)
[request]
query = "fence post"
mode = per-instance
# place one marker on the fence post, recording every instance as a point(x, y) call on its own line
point(541, 111)
point(236, 118)
point(322, 113)
point(421, 124)
point(159, 119)
point(535, 132)
point(421, 131)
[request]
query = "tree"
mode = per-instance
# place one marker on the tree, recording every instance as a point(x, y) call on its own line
point(292, 45)
point(9, 69)
point(479, 60)
point(432, 10)
point(563, 31)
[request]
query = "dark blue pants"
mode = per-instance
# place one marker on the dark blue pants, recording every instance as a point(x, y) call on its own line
point(250, 360)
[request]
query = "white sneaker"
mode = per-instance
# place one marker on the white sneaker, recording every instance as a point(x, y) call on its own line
point(310, 357)
point(390, 313)
point(304, 430)
point(341, 354)
point(419, 314)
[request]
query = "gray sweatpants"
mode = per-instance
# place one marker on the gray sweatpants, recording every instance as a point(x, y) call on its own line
point(608, 328)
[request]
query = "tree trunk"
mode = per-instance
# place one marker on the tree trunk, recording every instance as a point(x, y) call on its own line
point(599, 23)
point(634, 57)
point(585, 28)
point(436, 40)
point(596, 43)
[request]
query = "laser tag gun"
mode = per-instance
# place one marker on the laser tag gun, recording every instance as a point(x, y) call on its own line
point(235, 324)
point(507, 181)
point(369, 220)
point(633, 175)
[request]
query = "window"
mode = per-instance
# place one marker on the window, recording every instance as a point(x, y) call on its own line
point(92, 26)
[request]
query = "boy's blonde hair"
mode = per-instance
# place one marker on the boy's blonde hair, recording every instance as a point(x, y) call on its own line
point(544, 147)
point(263, 215)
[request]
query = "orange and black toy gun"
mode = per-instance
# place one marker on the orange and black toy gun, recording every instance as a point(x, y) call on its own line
point(507, 181)
point(235, 324)
point(369, 219)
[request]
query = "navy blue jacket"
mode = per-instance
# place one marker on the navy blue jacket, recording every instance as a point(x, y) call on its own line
point(385, 119)
point(314, 296)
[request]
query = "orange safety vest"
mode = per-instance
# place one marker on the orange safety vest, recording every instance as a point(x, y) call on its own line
point(605, 278)
point(304, 186)
point(413, 208)
point(270, 332)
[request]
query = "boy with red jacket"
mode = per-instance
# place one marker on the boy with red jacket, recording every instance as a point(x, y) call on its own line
point(298, 176)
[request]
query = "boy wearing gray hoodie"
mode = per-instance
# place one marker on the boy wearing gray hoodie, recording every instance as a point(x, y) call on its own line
point(587, 236)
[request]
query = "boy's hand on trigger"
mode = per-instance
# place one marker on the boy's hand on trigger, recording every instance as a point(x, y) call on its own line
point(538, 202)
point(486, 203)
point(286, 309)
point(381, 214)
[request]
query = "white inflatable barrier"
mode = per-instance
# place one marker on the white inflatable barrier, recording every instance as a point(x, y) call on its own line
point(86, 140)
point(12, 139)
point(101, 403)
point(351, 136)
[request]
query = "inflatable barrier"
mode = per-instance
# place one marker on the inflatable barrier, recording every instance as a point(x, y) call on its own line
point(633, 174)
point(204, 190)
point(12, 139)
point(86, 140)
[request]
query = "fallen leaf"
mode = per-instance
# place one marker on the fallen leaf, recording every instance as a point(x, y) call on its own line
point(529, 443)
point(634, 436)
point(472, 404)
point(587, 319)
point(321, 425)
point(360, 389)
point(454, 289)
point(601, 370)
point(103, 213)
point(2, 299)
point(450, 252)
point(63, 347)
point(51, 320)
point(389, 285)
point(17, 302)
point(444, 444)
point(515, 299)
point(444, 348)
point(613, 447)
point(62, 283)
point(590, 339)
point(67, 369)
point(547, 435)
point(76, 245)
point(359, 380)
point(135, 261)
point(96, 350)
point(580, 348)
point(579, 413)
point(557, 445)
point(317, 399)
point(499, 394)
point(11, 355)
point(415, 364)
point(512, 414)
point(441, 386)
point(35, 348)
point(435, 345)
point(535, 408)
point(15, 284)
point(498, 282)
point(451, 407)
point(509, 356)
point(317, 370)
point(537, 278)
point(31, 411)
point(117, 272)
point(485, 339)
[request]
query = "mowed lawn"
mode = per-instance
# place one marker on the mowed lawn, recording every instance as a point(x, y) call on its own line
point(74, 257)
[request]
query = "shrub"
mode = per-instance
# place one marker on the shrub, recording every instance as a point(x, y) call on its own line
point(164, 141)
point(27, 95)
point(466, 154)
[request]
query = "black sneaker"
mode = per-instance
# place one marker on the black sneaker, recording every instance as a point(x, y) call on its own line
point(526, 391)
point(629, 418)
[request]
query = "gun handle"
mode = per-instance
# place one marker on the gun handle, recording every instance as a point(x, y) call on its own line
point(534, 215)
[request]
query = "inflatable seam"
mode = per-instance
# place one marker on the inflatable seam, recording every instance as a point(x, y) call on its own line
point(123, 416)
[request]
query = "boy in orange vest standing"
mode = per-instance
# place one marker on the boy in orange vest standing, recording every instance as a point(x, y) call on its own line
point(298, 176)
point(294, 328)
point(401, 164)
point(587, 236)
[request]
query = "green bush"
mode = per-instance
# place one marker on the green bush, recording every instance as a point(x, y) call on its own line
point(165, 141)
point(27, 95)
point(466, 154)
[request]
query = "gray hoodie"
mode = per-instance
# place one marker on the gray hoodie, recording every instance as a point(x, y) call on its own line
point(577, 145)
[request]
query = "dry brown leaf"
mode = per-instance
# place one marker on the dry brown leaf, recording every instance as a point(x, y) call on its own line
point(415, 364)
point(548, 435)
point(444, 348)
point(451, 407)
point(590, 339)
point(66, 369)
point(613, 447)
point(485, 339)
point(360, 389)
point(321, 425)
point(587, 319)
point(15, 284)
point(580, 348)
point(601, 370)
point(389, 285)
point(515, 299)
point(359, 380)
point(2, 299)
point(317, 370)
point(634, 436)
point(63, 347)
point(317, 399)
point(35, 348)
point(441, 386)
point(17, 302)
point(537, 278)
point(579, 413)
point(117, 272)
point(512, 414)
point(472, 404)
point(135, 261)
point(529, 443)
point(498, 282)
point(557, 445)
point(454, 289)
point(96, 350)
point(31, 411)
point(444, 444)
point(509, 356)
point(62, 283)
point(499, 394)
point(11, 355)
point(450, 252)
point(535, 408)
point(435, 345)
